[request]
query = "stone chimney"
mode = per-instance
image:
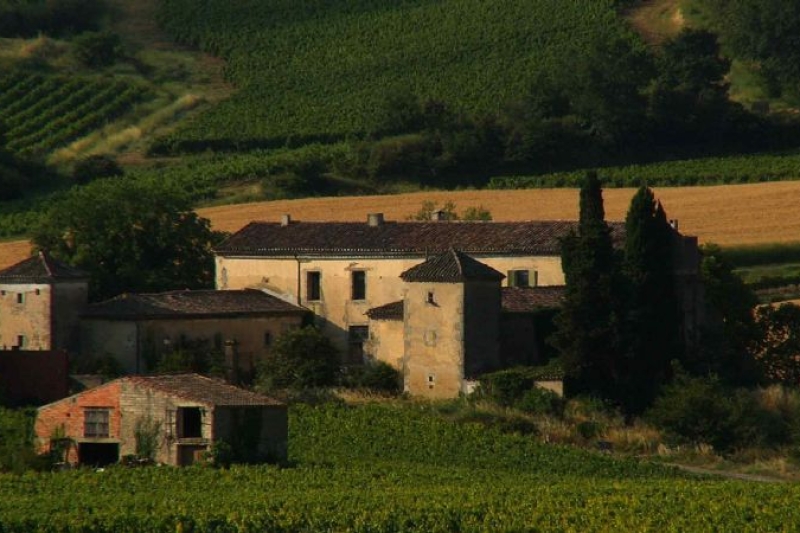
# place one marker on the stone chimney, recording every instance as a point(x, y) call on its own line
point(286, 219)
point(375, 219)
point(438, 215)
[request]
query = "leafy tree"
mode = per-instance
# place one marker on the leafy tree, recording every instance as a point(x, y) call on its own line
point(131, 236)
point(779, 354)
point(587, 328)
point(765, 32)
point(652, 320)
point(731, 337)
point(689, 98)
point(98, 49)
point(300, 358)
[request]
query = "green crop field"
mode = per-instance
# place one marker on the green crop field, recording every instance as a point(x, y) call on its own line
point(41, 113)
point(746, 168)
point(379, 468)
point(320, 69)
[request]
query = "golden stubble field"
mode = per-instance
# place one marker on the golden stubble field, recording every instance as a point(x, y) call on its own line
point(727, 214)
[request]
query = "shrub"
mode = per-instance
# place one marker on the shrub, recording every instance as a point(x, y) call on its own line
point(507, 387)
point(16, 440)
point(95, 167)
point(375, 375)
point(98, 49)
point(300, 358)
point(540, 401)
point(701, 410)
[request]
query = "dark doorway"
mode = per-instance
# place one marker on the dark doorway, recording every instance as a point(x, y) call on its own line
point(98, 453)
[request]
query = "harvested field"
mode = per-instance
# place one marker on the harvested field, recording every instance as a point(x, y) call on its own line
point(13, 251)
point(726, 214)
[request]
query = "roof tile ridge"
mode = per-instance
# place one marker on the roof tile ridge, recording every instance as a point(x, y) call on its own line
point(44, 256)
point(457, 258)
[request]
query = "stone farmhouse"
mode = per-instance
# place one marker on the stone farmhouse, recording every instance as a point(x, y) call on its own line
point(186, 413)
point(40, 304)
point(138, 329)
point(442, 301)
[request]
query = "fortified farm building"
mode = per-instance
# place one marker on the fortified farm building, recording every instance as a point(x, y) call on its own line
point(443, 301)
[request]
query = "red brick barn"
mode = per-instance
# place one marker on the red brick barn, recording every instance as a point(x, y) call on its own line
point(181, 415)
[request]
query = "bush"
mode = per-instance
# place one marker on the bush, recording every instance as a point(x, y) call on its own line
point(375, 376)
point(507, 387)
point(541, 402)
point(16, 440)
point(98, 49)
point(300, 358)
point(95, 167)
point(701, 410)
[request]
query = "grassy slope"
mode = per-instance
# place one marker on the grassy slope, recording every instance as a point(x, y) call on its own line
point(322, 68)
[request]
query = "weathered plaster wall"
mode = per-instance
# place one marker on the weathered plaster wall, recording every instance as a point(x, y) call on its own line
point(336, 311)
point(434, 339)
point(30, 318)
point(386, 342)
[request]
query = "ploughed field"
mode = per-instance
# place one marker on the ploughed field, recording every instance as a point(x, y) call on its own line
point(395, 468)
point(729, 215)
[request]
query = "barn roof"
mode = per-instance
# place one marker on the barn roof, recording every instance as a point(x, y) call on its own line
point(190, 304)
point(41, 268)
point(201, 389)
point(451, 267)
point(400, 238)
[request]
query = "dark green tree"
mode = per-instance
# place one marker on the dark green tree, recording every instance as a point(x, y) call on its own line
point(689, 98)
point(731, 337)
point(765, 33)
point(300, 358)
point(587, 328)
point(131, 236)
point(652, 327)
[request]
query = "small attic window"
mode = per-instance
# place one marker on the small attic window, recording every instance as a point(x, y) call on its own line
point(38, 292)
point(20, 298)
point(430, 298)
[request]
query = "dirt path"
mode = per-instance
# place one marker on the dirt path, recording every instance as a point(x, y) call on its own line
point(727, 475)
point(656, 20)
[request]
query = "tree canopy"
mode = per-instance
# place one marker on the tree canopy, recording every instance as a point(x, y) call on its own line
point(131, 236)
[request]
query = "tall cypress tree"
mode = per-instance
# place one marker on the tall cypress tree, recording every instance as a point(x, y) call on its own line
point(652, 329)
point(587, 325)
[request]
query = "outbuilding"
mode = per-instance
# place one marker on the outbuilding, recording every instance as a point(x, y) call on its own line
point(174, 419)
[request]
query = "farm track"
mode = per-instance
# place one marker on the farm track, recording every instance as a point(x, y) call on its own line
point(726, 214)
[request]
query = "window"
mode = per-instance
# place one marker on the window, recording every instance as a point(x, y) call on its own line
point(313, 280)
point(22, 341)
point(431, 299)
point(523, 278)
point(358, 285)
point(20, 298)
point(190, 423)
point(95, 422)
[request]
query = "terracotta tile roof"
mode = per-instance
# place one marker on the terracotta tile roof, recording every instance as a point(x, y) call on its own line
point(41, 268)
point(201, 389)
point(201, 303)
point(390, 311)
point(400, 238)
point(451, 267)
point(528, 299)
